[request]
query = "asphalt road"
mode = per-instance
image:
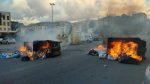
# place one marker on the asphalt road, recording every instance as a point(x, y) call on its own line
point(73, 67)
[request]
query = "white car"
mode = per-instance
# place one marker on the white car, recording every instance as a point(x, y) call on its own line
point(147, 76)
point(11, 41)
point(8, 41)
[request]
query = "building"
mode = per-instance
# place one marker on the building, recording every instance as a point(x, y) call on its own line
point(16, 25)
point(5, 21)
point(5, 24)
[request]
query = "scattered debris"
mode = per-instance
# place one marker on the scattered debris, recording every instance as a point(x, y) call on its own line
point(6, 55)
point(111, 58)
point(105, 65)
point(98, 51)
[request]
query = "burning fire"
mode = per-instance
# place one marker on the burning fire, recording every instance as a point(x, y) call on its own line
point(100, 47)
point(119, 48)
point(23, 49)
point(45, 45)
point(43, 49)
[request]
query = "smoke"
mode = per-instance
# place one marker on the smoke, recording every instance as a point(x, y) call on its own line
point(135, 25)
point(40, 35)
point(125, 26)
point(60, 31)
point(32, 11)
point(119, 7)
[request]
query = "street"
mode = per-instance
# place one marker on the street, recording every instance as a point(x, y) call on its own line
point(74, 66)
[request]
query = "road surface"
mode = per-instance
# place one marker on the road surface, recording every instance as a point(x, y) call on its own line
point(73, 67)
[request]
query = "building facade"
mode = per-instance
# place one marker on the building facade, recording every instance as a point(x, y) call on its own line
point(5, 21)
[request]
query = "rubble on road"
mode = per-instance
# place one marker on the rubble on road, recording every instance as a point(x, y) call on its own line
point(6, 55)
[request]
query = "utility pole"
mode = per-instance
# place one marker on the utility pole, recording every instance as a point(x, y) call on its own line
point(52, 4)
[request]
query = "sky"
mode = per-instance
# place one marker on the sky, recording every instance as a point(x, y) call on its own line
point(33, 11)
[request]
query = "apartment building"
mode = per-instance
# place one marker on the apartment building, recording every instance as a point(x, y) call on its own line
point(5, 21)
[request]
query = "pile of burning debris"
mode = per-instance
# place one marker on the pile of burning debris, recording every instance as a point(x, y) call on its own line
point(124, 50)
point(39, 50)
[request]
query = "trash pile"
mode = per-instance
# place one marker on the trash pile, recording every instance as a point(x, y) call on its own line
point(6, 55)
point(34, 50)
point(100, 51)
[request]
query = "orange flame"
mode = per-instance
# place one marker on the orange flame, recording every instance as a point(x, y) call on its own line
point(23, 49)
point(100, 47)
point(45, 45)
point(128, 48)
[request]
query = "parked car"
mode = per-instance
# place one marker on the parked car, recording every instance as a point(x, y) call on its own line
point(11, 41)
point(147, 76)
point(4, 41)
point(8, 41)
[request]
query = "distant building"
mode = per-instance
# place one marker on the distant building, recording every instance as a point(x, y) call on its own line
point(5, 24)
point(5, 21)
point(16, 25)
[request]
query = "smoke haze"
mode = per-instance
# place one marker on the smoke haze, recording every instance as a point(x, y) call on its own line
point(33, 11)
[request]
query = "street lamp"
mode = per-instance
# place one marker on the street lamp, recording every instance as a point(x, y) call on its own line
point(52, 4)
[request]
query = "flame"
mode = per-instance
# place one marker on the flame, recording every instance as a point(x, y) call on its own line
point(127, 48)
point(23, 49)
point(100, 47)
point(44, 49)
point(45, 45)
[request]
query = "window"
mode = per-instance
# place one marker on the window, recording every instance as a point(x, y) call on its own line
point(9, 29)
point(4, 23)
point(7, 17)
point(8, 24)
point(4, 29)
point(3, 17)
